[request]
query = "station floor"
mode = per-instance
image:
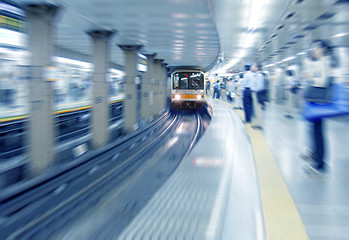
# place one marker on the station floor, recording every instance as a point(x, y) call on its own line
point(242, 183)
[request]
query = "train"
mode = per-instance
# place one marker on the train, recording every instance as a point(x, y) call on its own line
point(187, 88)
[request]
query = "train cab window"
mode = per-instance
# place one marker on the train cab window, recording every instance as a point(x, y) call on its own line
point(176, 81)
point(196, 80)
point(184, 83)
point(187, 80)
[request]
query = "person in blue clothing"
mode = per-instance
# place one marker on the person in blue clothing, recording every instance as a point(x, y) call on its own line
point(319, 73)
point(257, 86)
point(216, 89)
point(247, 93)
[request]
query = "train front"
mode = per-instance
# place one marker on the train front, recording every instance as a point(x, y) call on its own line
point(187, 89)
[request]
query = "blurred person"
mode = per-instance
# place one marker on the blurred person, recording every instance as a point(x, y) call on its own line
point(208, 86)
point(230, 90)
point(238, 92)
point(216, 89)
point(291, 88)
point(319, 75)
point(257, 85)
point(265, 92)
point(247, 93)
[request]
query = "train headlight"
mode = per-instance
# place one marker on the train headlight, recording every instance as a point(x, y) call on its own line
point(198, 97)
point(177, 97)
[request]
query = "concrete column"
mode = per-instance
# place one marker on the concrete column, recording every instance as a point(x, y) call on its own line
point(40, 19)
point(130, 103)
point(100, 110)
point(163, 86)
point(147, 88)
point(157, 77)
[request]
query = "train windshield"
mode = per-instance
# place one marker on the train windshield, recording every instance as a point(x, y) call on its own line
point(188, 80)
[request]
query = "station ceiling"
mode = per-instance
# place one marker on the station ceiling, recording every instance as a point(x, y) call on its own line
point(204, 33)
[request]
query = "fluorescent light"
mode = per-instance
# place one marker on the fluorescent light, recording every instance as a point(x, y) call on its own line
point(72, 62)
point(338, 35)
point(179, 31)
point(178, 41)
point(249, 40)
point(270, 65)
point(179, 15)
point(141, 56)
point(288, 59)
point(178, 44)
point(255, 13)
point(178, 24)
point(301, 53)
point(242, 53)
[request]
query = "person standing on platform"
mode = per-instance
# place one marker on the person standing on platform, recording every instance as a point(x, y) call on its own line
point(319, 75)
point(291, 93)
point(238, 91)
point(257, 87)
point(247, 93)
point(216, 88)
point(264, 94)
point(230, 90)
point(208, 86)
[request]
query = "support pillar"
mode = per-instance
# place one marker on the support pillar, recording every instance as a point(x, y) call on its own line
point(157, 76)
point(147, 88)
point(131, 99)
point(100, 95)
point(40, 19)
point(164, 86)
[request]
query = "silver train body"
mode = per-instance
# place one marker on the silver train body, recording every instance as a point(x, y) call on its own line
point(187, 89)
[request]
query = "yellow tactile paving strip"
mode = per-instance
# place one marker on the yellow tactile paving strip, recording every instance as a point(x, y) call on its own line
point(282, 220)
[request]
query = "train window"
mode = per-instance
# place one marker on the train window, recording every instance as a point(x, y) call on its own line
point(187, 80)
point(176, 81)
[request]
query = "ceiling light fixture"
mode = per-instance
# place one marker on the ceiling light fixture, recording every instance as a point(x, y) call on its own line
point(255, 14)
point(254, 21)
point(338, 35)
point(288, 59)
point(301, 53)
point(270, 65)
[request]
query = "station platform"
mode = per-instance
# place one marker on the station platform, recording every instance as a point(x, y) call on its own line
point(199, 200)
point(242, 183)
